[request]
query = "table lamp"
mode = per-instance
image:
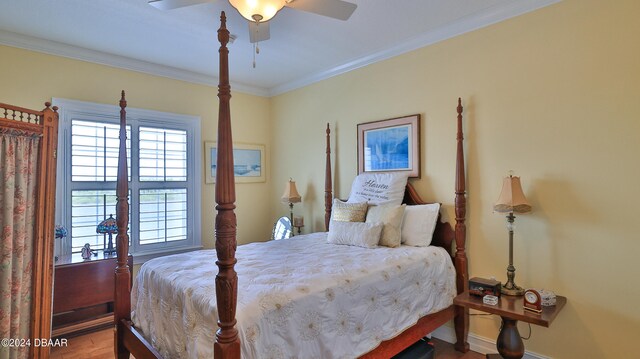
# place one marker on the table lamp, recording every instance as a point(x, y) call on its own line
point(110, 227)
point(291, 195)
point(512, 200)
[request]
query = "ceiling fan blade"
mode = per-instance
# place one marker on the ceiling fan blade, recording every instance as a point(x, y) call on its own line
point(336, 9)
point(258, 31)
point(174, 4)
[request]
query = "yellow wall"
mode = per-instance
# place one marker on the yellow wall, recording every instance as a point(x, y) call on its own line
point(552, 95)
point(29, 79)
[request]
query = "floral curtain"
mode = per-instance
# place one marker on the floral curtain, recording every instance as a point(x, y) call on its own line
point(18, 179)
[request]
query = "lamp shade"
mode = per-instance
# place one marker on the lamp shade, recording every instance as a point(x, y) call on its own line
point(109, 225)
point(512, 198)
point(291, 194)
point(258, 10)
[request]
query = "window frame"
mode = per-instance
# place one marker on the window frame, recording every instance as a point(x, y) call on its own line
point(93, 112)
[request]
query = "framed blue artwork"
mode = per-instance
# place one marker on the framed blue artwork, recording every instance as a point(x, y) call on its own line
point(390, 145)
point(248, 162)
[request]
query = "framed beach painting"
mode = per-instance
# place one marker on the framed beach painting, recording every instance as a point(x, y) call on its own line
point(248, 162)
point(390, 145)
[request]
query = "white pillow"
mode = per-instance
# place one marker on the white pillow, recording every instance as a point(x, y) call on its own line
point(419, 223)
point(358, 234)
point(391, 217)
point(379, 187)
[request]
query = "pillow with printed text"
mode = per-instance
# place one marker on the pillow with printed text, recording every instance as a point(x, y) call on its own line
point(379, 188)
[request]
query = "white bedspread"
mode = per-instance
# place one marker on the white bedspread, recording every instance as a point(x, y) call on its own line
point(297, 298)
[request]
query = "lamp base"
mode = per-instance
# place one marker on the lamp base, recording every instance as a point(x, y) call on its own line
point(511, 290)
point(110, 250)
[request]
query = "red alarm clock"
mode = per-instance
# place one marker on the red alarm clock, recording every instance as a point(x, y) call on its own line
point(533, 300)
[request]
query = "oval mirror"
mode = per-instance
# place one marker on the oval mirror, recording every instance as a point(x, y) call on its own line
point(282, 229)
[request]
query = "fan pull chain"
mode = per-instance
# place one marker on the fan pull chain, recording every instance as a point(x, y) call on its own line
point(256, 45)
point(256, 50)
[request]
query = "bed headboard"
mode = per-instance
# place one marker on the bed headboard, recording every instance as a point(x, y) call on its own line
point(444, 235)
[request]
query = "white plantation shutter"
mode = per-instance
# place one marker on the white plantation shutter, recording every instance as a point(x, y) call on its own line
point(163, 155)
point(94, 151)
point(163, 215)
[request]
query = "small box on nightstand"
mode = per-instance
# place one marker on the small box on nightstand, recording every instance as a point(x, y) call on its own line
point(482, 286)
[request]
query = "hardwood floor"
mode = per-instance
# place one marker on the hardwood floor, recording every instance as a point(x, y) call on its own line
point(99, 345)
point(445, 350)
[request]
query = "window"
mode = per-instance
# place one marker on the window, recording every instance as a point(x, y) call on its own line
point(163, 155)
point(163, 215)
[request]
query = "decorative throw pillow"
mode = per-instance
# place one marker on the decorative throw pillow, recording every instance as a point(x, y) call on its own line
point(348, 212)
point(419, 223)
point(391, 217)
point(355, 234)
point(379, 187)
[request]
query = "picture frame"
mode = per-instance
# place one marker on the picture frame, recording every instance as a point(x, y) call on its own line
point(248, 160)
point(390, 145)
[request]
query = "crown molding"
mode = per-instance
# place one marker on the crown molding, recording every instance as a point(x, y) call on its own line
point(98, 57)
point(466, 24)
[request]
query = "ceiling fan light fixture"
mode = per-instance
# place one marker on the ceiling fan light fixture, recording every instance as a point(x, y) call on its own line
point(258, 10)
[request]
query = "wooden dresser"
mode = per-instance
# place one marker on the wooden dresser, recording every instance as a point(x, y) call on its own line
point(83, 293)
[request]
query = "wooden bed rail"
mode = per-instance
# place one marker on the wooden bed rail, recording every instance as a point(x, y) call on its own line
point(135, 343)
point(424, 326)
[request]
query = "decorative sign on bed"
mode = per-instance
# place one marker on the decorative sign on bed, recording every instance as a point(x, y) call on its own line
point(390, 145)
point(248, 162)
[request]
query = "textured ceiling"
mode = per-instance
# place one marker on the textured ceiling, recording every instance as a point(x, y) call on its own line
point(182, 43)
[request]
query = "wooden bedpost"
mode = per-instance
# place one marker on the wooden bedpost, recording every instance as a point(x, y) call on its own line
point(462, 281)
point(227, 343)
point(122, 295)
point(328, 188)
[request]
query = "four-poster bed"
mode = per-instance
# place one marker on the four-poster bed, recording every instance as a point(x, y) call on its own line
point(130, 339)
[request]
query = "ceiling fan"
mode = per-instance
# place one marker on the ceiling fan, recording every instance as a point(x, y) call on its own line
point(259, 12)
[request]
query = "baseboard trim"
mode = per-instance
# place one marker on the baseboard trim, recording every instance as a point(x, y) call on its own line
point(478, 343)
point(93, 324)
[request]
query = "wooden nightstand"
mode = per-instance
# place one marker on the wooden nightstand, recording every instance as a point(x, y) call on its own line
point(83, 293)
point(510, 309)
